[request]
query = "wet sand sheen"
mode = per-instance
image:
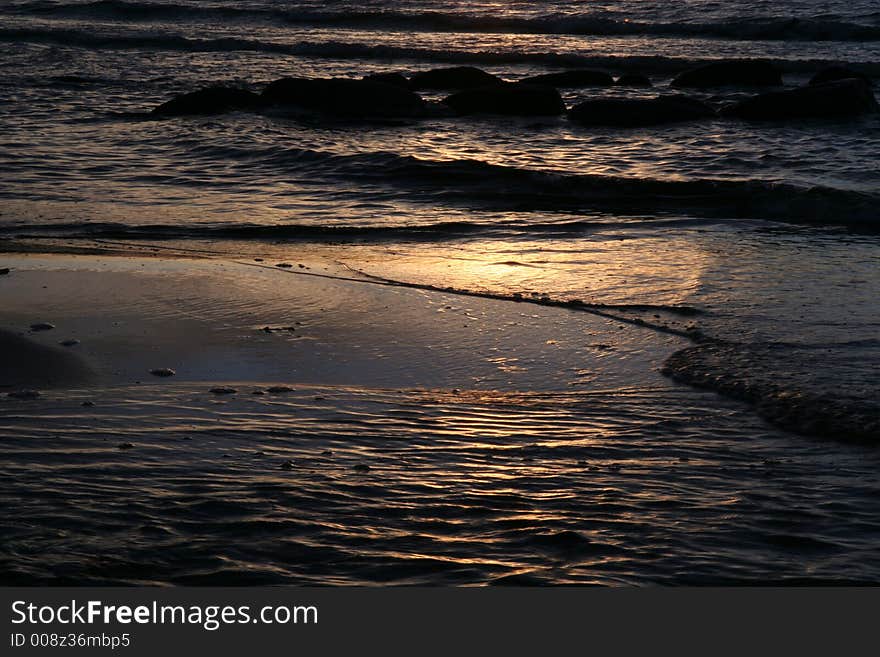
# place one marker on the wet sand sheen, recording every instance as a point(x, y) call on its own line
point(394, 436)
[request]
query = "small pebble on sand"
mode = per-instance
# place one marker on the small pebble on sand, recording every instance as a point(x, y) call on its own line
point(284, 265)
point(163, 371)
point(42, 326)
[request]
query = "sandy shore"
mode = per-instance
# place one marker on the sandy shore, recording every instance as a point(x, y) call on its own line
point(383, 435)
point(225, 320)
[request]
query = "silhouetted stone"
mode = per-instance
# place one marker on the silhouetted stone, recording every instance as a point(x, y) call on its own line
point(738, 73)
point(572, 79)
point(42, 326)
point(163, 372)
point(835, 73)
point(213, 100)
point(634, 80)
point(457, 77)
point(345, 98)
point(510, 98)
point(23, 394)
point(4, 271)
point(396, 79)
point(847, 97)
point(634, 112)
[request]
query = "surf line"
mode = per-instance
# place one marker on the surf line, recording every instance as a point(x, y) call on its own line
point(598, 309)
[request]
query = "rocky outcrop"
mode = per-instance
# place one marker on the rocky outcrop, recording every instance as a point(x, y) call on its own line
point(457, 77)
point(730, 73)
point(633, 80)
point(397, 79)
point(835, 73)
point(572, 79)
point(510, 98)
point(344, 97)
point(212, 100)
point(635, 112)
point(848, 97)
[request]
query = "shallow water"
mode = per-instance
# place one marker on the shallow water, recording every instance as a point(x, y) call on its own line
point(469, 488)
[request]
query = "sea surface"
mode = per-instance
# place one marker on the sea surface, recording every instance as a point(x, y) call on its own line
point(771, 232)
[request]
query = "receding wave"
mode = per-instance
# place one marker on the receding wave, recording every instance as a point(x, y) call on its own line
point(825, 389)
point(365, 51)
point(593, 23)
point(483, 186)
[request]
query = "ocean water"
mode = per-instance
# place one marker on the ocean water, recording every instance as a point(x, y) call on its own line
point(769, 230)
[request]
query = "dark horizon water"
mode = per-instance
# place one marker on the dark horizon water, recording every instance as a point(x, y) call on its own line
point(771, 230)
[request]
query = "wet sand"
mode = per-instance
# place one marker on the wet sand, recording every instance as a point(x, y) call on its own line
point(380, 435)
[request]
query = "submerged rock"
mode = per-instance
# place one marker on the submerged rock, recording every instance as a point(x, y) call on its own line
point(42, 326)
point(634, 112)
point(634, 80)
point(69, 343)
point(345, 97)
point(572, 79)
point(456, 77)
point(221, 390)
point(361, 467)
point(510, 98)
point(287, 465)
point(279, 389)
point(396, 79)
point(730, 73)
point(212, 100)
point(849, 97)
point(835, 73)
point(23, 394)
point(125, 445)
point(163, 372)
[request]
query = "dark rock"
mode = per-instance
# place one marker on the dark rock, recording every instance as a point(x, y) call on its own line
point(633, 80)
point(284, 265)
point(457, 77)
point(69, 343)
point(345, 98)
point(737, 73)
point(4, 271)
point(42, 326)
point(287, 465)
point(634, 112)
point(223, 391)
point(510, 98)
point(213, 100)
point(24, 394)
point(572, 79)
point(278, 389)
point(88, 404)
point(835, 73)
point(125, 445)
point(361, 467)
point(396, 79)
point(163, 372)
point(847, 97)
